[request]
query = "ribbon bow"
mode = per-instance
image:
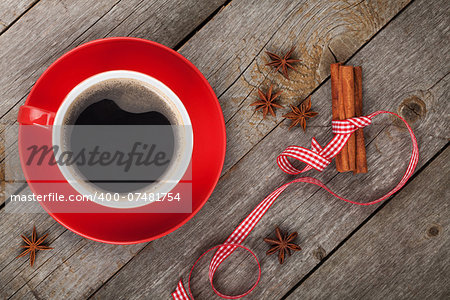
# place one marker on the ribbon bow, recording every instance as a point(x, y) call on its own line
point(315, 158)
point(319, 158)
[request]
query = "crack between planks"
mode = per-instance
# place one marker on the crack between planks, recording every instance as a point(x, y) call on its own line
point(19, 17)
point(332, 53)
point(80, 248)
point(17, 191)
point(364, 222)
point(118, 270)
point(437, 82)
point(35, 273)
point(81, 34)
point(324, 80)
point(317, 189)
point(64, 51)
point(201, 25)
point(241, 104)
point(179, 45)
point(48, 275)
point(90, 26)
point(124, 19)
point(322, 83)
point(310, 94)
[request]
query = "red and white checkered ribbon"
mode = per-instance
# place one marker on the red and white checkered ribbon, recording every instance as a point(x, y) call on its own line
point(315, 158)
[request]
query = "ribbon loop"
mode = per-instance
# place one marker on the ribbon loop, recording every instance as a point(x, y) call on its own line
point(180, 292)
point(317, 158)
point(313, 158)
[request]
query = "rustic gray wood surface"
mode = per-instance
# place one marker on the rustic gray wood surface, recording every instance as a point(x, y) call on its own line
point(12, 10)
point(404, 250)
point(405, 68)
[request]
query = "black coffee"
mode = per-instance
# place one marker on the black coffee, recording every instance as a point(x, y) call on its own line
point(107, 112)
point(115, 118)
point(125, 101)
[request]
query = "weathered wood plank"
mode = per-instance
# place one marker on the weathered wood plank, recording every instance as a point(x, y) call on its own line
point(235, 65)
point(11, 10)
point(52, 28)
point(404, 249)
point(237, 46)
point(246, 136)
point(161, 265)
point(229, 51)
point(46, 27)
point(279, 11)
point(87, 268)
point(11, 175)
point(391, 81)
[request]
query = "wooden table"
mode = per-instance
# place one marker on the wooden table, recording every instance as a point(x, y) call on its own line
point(399, 249)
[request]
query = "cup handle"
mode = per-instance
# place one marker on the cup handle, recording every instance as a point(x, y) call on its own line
point(30, 115)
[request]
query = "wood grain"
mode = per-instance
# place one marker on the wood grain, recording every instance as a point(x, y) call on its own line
point(229, 66)
point(234, 64)
point(321, 23)
point(77, 264)
point(11, 175)
point(229, 51)
point(52, 28)
point(404, 249)
point(322, 221)
point(11, 10)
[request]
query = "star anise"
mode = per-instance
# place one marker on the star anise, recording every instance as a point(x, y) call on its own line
point(283, 245)
point(282, 63)
point(33, 245)
point(299, 115)
point(266, 102)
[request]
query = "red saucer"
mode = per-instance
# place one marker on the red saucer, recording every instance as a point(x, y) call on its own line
point(178, 74)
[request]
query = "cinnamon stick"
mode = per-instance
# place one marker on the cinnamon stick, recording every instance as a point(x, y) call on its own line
point(346, 77)
point(334, 72)
point(361, 160)
point(341, 115)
